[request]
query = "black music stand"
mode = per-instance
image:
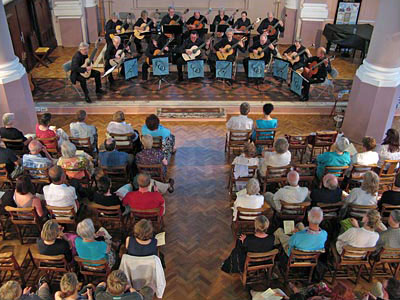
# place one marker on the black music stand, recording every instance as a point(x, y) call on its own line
point(172, 29)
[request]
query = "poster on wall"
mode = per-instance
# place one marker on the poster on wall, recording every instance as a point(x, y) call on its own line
point(347, 11)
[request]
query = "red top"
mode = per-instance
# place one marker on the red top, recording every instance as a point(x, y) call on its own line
point(147, 200)
point(44, 134)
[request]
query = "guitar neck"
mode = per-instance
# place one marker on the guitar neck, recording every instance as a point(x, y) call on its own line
point(91, 58)
point(320, 63)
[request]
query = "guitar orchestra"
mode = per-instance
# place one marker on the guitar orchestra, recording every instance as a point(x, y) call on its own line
point(182, 41)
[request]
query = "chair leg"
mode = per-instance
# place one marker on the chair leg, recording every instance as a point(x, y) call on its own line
point(371, 274)
point(20, 235)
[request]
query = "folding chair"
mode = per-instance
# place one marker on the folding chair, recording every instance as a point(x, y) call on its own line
point(338, 171)
point(389, 257)
point(235, 184)
point(386, 211)
point(235, 140)
point(123, 141)
point(359, 211)
point(84, 144)
point(322, 141)
point(40, 53)
point(276, 175)
point(5, 178)
point(110, 217)
point(51, 145)
point(119, 176)
point(307, 174)
point(292, 211)
point(17, 146)
point(328, 84)
point(387, 175)
point(64, 216)
point(93, 269)
point(297, 144)
point(244, 223)
point(155, 171)
point(152, 215)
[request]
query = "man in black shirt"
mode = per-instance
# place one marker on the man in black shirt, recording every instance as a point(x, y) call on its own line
point(154, 45)
point(144, 19)
point(190, 23)
point(329, 193)
point(241, 24)
point(172, 16)
point(8, 157)
point(114, 26)
point(193, 40)
point(270, 20)
point(222, 17)
point(297, 47)
point(76, 68)
point(114, 51)
point(390, 197)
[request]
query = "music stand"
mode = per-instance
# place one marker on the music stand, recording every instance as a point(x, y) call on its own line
point(222, 28)
point(161, 77)
point(172, 29)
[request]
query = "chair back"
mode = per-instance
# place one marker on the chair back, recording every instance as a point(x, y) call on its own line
point(34, 42)
point(325, 138)
point(355, 256)
point(276, 175)
point(245, 217)
point(238, 183)
point(67, 66)
point(300, 258)
point(38, 175)
point(237, 138)
point(256, 262)
point(358, 211)
point(293, 211)
point(95, 268)
point(56, 266)
point(358, 171)
point(8, 262)
point(306, 172)
point(157, 142)
point(109, 217)
point(298, 141)
point(265, 137)
point(63, 215)
point(9, 266)
point(17, 146)
point(83, 144)
point(123, 142)
point(23, 216)
point(387, 175)
point(152, 215)
point(118, 175)
point(154, 171)
point(5, 178)
point(51, 145)
point(386, 211)
point(337, 171)
point(331, 210)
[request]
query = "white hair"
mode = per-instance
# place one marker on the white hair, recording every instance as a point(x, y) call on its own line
point(85, 229)
point(8, 118)
point(315, 215)
point(83, 45)
point(68, 149)
point(116, 38)
point(253, 187)
point(229, 29)
point(293, 178)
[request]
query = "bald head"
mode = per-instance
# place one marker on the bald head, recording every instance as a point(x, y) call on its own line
point(293, 178)
point(330, 181)
point(35, 147)
point(321, 51)
point(56, 175)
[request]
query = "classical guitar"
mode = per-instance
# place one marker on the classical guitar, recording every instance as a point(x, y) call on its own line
point(159, 52)
point(120, 28)
point(196, 51)
point(198, 24)
point(89, 61)
point(260, 51)
point(176, 22)
point(30, 79)
point(223, 22)
point(245, 29)
point(145, 27)
point(271, 29)
point(312, 68)
point(121, 53)
point(294, 57)
point(228, 49)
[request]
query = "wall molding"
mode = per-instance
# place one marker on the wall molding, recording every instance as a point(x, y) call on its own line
point(68, 9)
point(317, 12)
point(378, 76)
point(11, 71)
point(292, 4)
point(89, 3)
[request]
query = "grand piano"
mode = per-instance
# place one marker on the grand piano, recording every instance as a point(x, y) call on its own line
point(355, 37)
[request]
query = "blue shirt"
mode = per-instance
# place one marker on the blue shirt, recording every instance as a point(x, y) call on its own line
point(308, 240)
point(261, 124)
point(113, 158)
point(331, 159)
point(96, 250)
point(160, 131)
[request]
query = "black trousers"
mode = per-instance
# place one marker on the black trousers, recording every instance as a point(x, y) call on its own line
point(145, 70)
point(138, 43)
point(306, 85)
point(179, 65)
point(82, 80)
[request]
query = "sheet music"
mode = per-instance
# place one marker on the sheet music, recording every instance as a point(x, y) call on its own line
point(160, 237)
point(288, 226)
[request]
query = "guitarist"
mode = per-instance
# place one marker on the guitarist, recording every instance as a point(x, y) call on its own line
point(144, 19)
point(320, 77)
point(153, 45)
point(193, 40)
point(222, 17)
point(298, 47)
point(111, 53)
point(111, 27)
point(227, 40)
point(197, 17)
point(243, 21)
point(172, 16)
point(268, 52)
point(270, 20)
point(77, 61)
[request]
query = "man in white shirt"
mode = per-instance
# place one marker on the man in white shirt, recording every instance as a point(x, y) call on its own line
point(248, 198)
point(292, 193)
point(80, 129)
point(241, 122)
point(58, 193)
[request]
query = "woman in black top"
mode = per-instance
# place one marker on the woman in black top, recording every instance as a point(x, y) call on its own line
point(143, 242)
point(259, 242)
point(103, 195)
point(10, 132)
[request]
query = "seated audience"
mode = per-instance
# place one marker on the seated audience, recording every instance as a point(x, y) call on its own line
point(143, 242)
point(119, 126)
point(11, 290)
point(52, 241)
point(292, 193)
point(243, 162)
point(10, 132)
point(249, 198)
point(367, 194)
point(280, 157)
point(369, 156)
point(260, 241)
point(24, 195)
point(390, 148)
point(58, 193)
point(103, 195)
point(118, 287)
point(391, 197)
point(150, 155)
point(155, 129)
point(80, 129)
point(112, 157)
point(363, 237)
point(311, 238)
point(69, 286)
point(241, 122)
point(329, 193)
point(338, 158)
point(143, 198)
point(267, 121)
point(43, 131)
point(390, 238)
point(70, 161)
point(35, 160)
point(8, 157)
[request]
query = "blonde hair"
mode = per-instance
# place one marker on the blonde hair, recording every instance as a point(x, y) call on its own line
point(11, 290)
point(118, 116)
point(143, 230)
point(281, 145)
point(374, 219)
point(68, 284)
point(50, 231)
point(147, 141)
point(261, 224)
point(370, 183)
point(250, 150)
point(116, 282)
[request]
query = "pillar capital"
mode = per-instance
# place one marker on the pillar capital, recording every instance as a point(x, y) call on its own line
point(378, 76)
point(11, 71)
point(314, 12)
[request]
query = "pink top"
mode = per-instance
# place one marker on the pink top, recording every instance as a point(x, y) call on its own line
point(44, 134)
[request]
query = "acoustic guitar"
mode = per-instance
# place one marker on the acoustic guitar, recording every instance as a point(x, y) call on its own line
point(245, 29)
point(260, 51)
point(121, 53)
point(145, 27)
point(294, 57)
point(198, 24)
point(223, 22)
point(196, 51)
point(312, 68)
point(176, 22)
point(89, 61)
point(271, 29)
point(159, 52)
point(228, 49)
point(120, 28)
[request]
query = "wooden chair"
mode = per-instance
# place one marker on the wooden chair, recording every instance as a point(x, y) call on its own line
point(93, 269)
point(241, 181)
point(235, 140)
point(301, 259)
point(338, 171)
point(387, 175)
point(386, 211)
point(265, 138)
point(387, 257)
point(244, 223)
point(5, 178)
point(152, 215)
point(258, 267)
point(39, 176)
point(51, 145)
point(110, 217)
point(157, 142)
point(65, 216)
point(119, 176)
point(40, 53)
point(155, 171)
point(292, 211)
point(17, 146)
point(357, 174)
point(331, 210)
point(359, 211)
point(84, 144)
point(26, 222)
point(322, 141)
point(277, 175)
point(9, 266)
point(123, 142)
point(307, 174)
point(297, 145)
point(85, 181)
point(352, 258)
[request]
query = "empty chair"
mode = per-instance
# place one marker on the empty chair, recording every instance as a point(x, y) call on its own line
point(298, 145)
point(322, 142)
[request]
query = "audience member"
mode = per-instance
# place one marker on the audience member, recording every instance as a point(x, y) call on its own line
point(58, 193)
point(390, 238)
point(112, 157)
point(280, 157)
point(103, 195)
point(70, 161)
point(52, 241)
point(311, 238)
point(155, 129)
point(267, 121)
point(119, 126)
point(391, 197)
point(8, 157)
point(248, 198)
point(11, 290)
point(390, 148)
point(369, 156)
point(150, 155)
point(69, 286)
point(80, 129)
point(35, 160)
point(338, 158)
point(241, 122)
point(260, 241)
point(143, 198)
point(292, 193)
point(242, 163)
point(10, 132)
point(24, 195)
point(43, 131)
point(363, 237)
point(329, 193)
point(367, 194)
point(143, 242)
